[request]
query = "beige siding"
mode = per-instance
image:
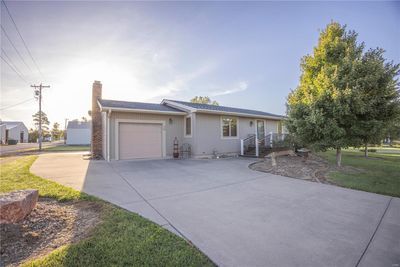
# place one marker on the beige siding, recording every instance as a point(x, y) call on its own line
point(272, 126)
point(208, 134)
point(171, 130)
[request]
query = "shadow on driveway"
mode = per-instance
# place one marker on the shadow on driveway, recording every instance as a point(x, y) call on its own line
point(240, 217)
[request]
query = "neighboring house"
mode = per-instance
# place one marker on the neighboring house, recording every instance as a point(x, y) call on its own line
point(78, 132)
point(2, 133)
point(133, 130)
point(13, 130)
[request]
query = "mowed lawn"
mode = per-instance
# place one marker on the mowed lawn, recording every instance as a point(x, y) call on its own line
point(122, 238)
point(67, 148)
point(379, 173)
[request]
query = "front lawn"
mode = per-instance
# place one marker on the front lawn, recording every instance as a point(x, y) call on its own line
point(121, 239)
point(67, 148)
point(379, 173)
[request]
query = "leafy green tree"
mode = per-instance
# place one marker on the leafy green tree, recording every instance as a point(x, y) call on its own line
point(393, 131)
point(345, 97)
point(33, 135)
point(203, 100)
point(56, 132)
point(319, 109)
point(375, 99)
point(45, 123)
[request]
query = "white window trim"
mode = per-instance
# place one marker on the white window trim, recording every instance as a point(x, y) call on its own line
point(191, 126)
point(222, 131)
point(118, 121)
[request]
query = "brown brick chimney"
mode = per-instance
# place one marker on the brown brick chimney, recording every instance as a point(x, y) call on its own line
point(97, 151)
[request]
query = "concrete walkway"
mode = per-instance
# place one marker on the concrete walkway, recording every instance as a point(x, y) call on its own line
point(240, 217)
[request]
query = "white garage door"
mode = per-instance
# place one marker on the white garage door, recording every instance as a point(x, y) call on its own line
point(140, 140)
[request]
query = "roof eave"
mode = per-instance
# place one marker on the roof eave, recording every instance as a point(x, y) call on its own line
point(178, 105)
point(220, 112)
point(133, 110)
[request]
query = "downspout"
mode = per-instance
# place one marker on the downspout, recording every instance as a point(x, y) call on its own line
point(108, 134)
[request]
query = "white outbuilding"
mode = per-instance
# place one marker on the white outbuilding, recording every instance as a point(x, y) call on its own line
point(79, 132)
point(13, 130)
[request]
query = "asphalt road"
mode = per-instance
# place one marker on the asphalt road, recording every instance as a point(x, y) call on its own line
point(21, 147)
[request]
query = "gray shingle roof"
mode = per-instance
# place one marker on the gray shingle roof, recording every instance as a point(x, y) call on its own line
point(226, 109)
point(11, 124)
point(79, 124)
point(136, 105)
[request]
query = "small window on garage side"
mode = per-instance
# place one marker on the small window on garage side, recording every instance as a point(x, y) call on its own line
point(229, 127)
point(188, 126)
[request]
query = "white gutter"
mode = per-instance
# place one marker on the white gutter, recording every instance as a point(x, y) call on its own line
point(134, 110)
point(238, 114)
point(108, 134)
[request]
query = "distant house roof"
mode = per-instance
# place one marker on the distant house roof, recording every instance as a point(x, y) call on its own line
point(12, 124)
point(140, 106)
point(223, 109)
point(75, 124)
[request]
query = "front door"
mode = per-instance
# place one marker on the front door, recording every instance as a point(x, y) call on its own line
point(260, 129)
point(21, 137)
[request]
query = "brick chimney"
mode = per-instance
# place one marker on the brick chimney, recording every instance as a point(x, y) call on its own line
point(97, 145)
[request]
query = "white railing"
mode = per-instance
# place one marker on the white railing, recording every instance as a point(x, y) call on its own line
point(247, 144)
point(274, 139)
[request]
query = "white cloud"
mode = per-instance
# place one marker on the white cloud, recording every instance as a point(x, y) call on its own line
point(182, 81)
point(238, 87)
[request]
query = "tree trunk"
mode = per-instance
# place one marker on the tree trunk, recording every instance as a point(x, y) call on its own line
point(366, 150)
point(338, 157)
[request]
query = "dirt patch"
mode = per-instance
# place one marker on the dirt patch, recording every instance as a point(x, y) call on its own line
point(314, 169)
point(50, 225)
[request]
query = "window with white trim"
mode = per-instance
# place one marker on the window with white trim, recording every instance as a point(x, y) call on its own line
point(188, 126)
point(229, 127)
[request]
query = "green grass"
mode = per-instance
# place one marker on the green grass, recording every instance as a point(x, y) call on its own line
point(379, 173)
point(121, 239)
point(67, 148)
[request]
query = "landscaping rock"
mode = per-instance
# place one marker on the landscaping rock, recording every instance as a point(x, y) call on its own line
point(15, 206)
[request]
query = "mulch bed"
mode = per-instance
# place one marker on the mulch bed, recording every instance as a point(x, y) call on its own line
point(313, 169)
point(50, 225)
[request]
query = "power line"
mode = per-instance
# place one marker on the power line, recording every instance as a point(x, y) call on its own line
point(11, 62)
point(16, 50)
point(20, 103)
point(23, 41)
point(11, 67)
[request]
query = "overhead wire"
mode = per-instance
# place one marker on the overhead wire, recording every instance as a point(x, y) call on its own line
point(15, 48)
point(23, 40)
point(11, 62)
point(17, 104)
point(11, 67)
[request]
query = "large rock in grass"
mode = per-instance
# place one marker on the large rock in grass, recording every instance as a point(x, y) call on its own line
point(15, 206)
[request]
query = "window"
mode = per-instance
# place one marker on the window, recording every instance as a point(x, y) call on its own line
point(229, 127)
point(188, 126)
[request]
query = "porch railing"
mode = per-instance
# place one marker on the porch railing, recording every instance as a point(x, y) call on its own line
point(276, 140)
point(249, 145)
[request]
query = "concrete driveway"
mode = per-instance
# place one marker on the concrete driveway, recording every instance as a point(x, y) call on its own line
point(240, 217)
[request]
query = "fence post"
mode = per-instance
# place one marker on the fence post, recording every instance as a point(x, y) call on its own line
point(241, 147)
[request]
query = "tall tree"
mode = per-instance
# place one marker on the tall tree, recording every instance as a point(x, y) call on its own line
point(375, 97)
point(319, 109)
point(203, 100)
point(45, 122)
point(56, 132)
point(33, 135)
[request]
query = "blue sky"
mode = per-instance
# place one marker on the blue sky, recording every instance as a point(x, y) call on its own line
point(240, 54)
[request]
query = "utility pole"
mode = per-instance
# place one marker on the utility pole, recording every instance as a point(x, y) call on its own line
point(38, 93)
